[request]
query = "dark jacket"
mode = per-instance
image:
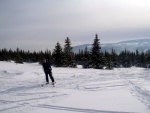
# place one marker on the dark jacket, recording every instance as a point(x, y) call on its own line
point(47, 67)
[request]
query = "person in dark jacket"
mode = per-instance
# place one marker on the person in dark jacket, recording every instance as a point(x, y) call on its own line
point(48, 71)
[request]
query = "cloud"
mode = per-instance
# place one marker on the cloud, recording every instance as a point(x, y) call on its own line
point(46, 22)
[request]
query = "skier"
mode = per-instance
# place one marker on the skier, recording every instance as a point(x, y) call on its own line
point(48, 71)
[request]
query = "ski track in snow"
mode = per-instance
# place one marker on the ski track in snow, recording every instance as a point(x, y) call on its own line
point(21, 91)
point(137, 81)
point(61, 108)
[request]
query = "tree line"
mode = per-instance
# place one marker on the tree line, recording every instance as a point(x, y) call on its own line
point(65, 57)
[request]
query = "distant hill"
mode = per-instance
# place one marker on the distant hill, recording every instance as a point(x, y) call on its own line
point(131, 45)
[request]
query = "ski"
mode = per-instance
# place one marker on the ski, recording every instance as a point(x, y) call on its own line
point(53, 84)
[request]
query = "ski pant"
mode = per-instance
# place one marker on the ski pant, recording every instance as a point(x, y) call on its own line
point(50, 75)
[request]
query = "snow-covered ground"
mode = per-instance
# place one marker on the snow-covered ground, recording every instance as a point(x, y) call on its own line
point(123, 90)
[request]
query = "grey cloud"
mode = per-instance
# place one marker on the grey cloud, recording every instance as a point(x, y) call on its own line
point(48, 20)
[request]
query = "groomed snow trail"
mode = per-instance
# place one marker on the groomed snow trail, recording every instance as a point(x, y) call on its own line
point(123, 90)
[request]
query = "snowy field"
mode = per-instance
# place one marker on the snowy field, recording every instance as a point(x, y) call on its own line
point(123, 90)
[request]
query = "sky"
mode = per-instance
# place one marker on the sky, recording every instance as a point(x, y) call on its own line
point(40, 24)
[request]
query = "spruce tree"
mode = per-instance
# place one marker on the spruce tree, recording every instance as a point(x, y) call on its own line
point(5, 54)
point(18, 58)
point(95, 52)
point(147, 59)
point(69, 59)
point(114, 58)
point(86, 58)
point(57, 55)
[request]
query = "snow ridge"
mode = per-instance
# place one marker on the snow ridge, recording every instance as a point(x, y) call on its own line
point(142, 45)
